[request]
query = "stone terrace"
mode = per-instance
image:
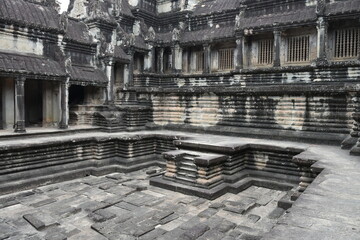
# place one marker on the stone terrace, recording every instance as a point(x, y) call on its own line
point(125, 206)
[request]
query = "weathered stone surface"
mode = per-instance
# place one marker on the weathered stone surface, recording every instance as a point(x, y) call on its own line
point(195, 232)
point(105, 214)
point(207, 213)
point(40, 221)
point(212, 235)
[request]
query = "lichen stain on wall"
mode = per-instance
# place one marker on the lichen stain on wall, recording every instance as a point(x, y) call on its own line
point(168, 109)
point(197, 110)
point(21, 44)
point(290, 112)
point(204, 110)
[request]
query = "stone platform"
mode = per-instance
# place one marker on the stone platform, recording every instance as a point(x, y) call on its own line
point(124, 206)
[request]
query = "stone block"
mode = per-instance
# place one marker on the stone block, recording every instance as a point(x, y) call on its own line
point(212, 235)
point(168, 219)
point(106, 214)
point(225, 226)
point(43, 202)
point(126, 206)
point(195, 232)
point(217, 205)
point(191, 223)
point(106, 185)
point(207, 213)
point(173, 234)
point(55, 234)
point(246, 236)
point(154, 234)
point(276, 213)
point(40, 221)
point(8, 201)
point(253, 218)
point(235, 209)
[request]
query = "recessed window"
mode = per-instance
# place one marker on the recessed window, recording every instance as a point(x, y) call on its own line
point(347, 43)
point(199, 61)
point(226, 59)
point(266, 51)
point(298, 49)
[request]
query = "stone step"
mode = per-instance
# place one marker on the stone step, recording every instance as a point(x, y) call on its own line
point(199, 158)
point(229, 148)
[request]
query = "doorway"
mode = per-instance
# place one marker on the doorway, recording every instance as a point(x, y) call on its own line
point(33, 103)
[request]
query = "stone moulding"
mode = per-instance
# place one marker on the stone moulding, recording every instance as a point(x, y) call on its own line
point(39, 162)
point(210, 170)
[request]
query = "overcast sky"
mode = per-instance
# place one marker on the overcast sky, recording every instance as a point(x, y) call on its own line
point(64, 4)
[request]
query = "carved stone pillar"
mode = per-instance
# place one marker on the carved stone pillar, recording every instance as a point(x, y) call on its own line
point(277, 42)
point(207, 58)
point(176, 54)
point(173, 68)
point(161, 61)
point(355, 133)
point(126, 76)
point(64, 107)
point(111, 81)
point(239, 62)
point(322, 28)
point(152, 60)
point(131, 68)
point(20, 105)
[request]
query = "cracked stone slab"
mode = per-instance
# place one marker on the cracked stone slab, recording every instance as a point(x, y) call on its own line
point(212, 235)
point(40, 221)
point(8, 201)
point(195, 232)
point(207, 213)
point(154, 234)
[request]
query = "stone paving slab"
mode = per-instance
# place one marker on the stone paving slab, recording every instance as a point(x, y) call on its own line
point(328, 209)
point(128, 212)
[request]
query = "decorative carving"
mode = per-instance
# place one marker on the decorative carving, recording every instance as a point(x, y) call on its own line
point(176, 35)
point(64, 20)
point(116, 7)
point(321, 23)
point(320, 7)
point(239, 18)
point(151, 34)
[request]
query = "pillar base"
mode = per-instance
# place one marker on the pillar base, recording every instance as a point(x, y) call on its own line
point(19, 127)
point(320, 62)
point(63, 126)
point(20, 131)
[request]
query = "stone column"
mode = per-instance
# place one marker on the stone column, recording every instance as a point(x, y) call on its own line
point(161, 61)
point(126, 76)
point(355, 133)
point(322, 27)
point(207, 58)
point(64, 105)
point(20, 105)
point(277, 42)
point(173, 58)
point(111, 81)
point(176, 58)
point(131, 68)
point(239, 60)
point(152, 60)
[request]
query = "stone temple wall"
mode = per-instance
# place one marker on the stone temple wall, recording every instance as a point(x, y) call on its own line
point(296, 113)
point(307, 105)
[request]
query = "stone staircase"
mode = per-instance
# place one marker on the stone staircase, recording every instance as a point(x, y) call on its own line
point(210, 170)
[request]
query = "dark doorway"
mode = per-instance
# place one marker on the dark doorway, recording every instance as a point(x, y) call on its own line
point(1, 106)
point(138, 62)
point(76, 95)
point(119, 75)
point(33, 103)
